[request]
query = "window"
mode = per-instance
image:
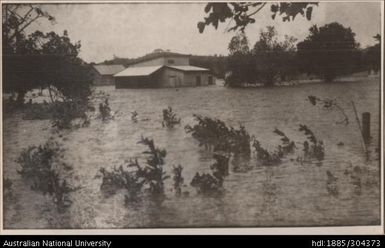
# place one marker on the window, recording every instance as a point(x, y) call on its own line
point(170, 61)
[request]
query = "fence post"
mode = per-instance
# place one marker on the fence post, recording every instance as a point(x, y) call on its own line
point(366, 126)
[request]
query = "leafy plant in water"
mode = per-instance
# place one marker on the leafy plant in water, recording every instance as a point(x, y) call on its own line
point(329, 104)
point(265, 157)
point(178, 179)
point(214, 134)
point(138, 178)
point(105, 110)
point(134, 116)
point(64, 112)
point(42, 169)
point(212, 183)
point(287, 146)
point(312, 147)
point(169, 118)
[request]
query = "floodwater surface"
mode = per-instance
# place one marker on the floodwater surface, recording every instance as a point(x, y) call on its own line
point(289, 194)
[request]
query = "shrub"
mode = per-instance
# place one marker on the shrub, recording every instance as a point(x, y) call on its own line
point(134, 116)
point(330, 104)
point(105, 110)
point(312, 147)
point(63, 113)
point(212, 183)
point(138, 178)
point(169, 118)
point(265, 157)
point(214, 134)
point(41, 168)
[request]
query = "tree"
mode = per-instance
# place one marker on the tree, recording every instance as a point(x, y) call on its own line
point(15, 19)
point(274, 58)
point(372, 55)
point(329, 51)
point(47, 61)
point(242, 13)
point(240, 62)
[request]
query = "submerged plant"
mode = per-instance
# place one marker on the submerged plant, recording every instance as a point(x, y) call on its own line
point(138, 178)
point(287, 146)
point(169, 118)
point(264, 157)
point(134, 116)
point(213, 134)
point(312, 147)
point(41, 168)
point(178, 179)
point(212, 183)
point(105, 110)
point(329, 104)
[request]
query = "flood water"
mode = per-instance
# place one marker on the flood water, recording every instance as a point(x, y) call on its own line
point(289, 194)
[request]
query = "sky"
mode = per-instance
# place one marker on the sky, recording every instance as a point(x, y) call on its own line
point(131, 30)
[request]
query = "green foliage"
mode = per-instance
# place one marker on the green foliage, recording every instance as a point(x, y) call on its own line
point(312, 147)
point(241, 13)
point(329, 51)
point(209, 184)
point(169, 118)
point(214, 134)
point(42, 169)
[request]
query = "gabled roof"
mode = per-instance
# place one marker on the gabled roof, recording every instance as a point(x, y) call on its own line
point(187, 68)
point(156, 55)
point(108, 69)
point(138, 71)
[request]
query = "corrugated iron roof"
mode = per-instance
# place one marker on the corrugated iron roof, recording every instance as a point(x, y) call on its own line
point(155, 55)
point(187, 68)
point(108, 69)
point(138, 71)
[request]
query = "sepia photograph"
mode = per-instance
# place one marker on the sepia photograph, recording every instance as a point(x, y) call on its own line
point(152, 115)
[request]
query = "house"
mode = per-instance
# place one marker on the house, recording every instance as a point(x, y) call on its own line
point(163, 69)
point(104, 74)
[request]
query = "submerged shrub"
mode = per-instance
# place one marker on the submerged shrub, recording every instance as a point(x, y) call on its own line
point(178, 179)
point(138, 178)
point(105, 110)
point(330, 104)
point(134, 116)
point(212, 183)
point(169, 118)
point(214, 134)
point(264, 157)
point(287, 146)
point(312, 147)
point(42, 169)
point(63, 113)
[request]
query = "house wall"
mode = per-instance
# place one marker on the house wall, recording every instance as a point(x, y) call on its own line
point(134, 82)
point(190, 78)
point(163, 61)
point(170, 78)
point(103, 79)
